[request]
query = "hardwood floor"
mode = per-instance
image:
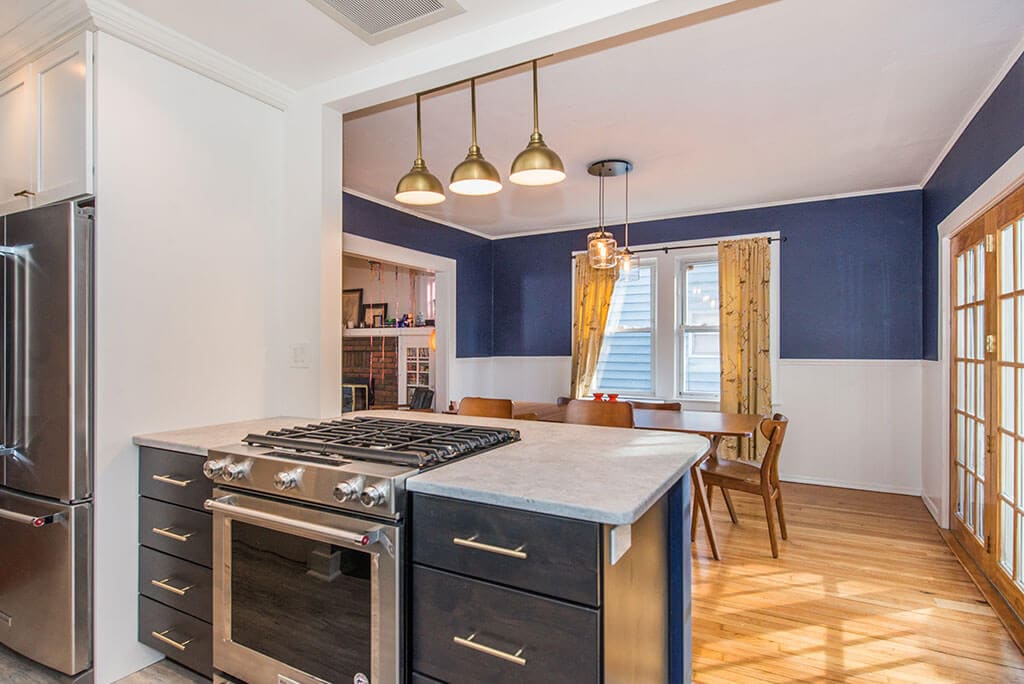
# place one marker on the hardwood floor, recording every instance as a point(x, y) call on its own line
point(865, 589)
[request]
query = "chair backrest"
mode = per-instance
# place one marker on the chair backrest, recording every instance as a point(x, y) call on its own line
point(657, 405)
point(608, 413)
point(774, 430)
point(562, 401)
point(422, 398)
point(490, 408)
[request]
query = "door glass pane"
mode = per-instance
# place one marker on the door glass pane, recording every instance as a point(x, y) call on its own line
point(1020, 404)
point(969, 502)
point(981, 390)
point(961, 327)
point(960, 374)
point(1006, 471)
point(1006, 536)
point(1020, 337)
point(1006, 260)
point(979, 338)
point(1006, 421)
point(980, 249)
point(960, 492)
point(1020, 547)
point(970, 335)
point(970, 388)
point(288, 590)
point(1006, 330)
point(1020, 254)
point(969, 277)
point(979, 515)
point(960, 450)
point(979, 447)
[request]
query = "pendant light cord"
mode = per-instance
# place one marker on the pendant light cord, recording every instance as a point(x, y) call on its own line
point(419, 135)
point(600, 201)
point(472, 106)
point(627, 209)
point(536, 114)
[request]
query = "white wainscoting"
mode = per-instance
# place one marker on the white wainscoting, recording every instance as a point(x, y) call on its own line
point(854, 423)
point(934, 458)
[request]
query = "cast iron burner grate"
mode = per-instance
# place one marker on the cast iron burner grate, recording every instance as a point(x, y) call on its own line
point(387, 440)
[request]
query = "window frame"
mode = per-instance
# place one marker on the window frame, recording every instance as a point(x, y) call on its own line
point(681, 328)
point(651, 263)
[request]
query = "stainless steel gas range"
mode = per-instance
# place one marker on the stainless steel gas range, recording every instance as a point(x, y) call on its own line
point(309, 542)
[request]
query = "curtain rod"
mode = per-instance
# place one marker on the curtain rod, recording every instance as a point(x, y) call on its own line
point(666, 249)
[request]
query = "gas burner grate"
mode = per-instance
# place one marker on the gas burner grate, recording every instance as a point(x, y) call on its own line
point(387, 440)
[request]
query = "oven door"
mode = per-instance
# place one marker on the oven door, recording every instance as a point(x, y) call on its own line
point(303, 595)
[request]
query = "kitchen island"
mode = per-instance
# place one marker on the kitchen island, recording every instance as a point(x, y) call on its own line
point(562, 556)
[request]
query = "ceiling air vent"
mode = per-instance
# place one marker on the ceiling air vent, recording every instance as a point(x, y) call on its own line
point(376, 21)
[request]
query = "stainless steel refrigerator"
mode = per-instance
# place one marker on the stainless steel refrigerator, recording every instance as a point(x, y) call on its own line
point(46, 414)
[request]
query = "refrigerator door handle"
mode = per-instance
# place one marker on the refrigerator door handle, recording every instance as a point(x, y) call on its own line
point(12, 351)
point(33, 520)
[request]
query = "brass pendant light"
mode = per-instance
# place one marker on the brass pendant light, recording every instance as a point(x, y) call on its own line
point(419, 186)
point(474, 175)
point(537, 164)
point(602, 248)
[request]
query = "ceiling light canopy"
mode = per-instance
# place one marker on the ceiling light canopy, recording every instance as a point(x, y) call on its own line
point(419, 186)
point(538, 164)
point(475, 175)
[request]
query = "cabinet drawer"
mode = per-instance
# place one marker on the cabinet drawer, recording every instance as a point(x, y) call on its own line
point(176, 582)
point(461, 628)
point(178, 531)
point(554, 556)
point(193, 638)
point(173, 476)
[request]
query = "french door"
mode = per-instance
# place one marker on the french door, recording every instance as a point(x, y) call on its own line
point(987, 388)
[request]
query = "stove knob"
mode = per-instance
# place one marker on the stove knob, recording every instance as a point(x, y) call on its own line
point(374, 495)
point(237, 471)
point(214, 468)
point(348, 490)
point(287, 479)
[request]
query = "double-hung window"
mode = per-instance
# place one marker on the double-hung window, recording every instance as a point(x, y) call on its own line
point(625, 365)
point(697, 350)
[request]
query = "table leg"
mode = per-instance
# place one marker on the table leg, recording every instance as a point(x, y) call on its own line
point(701, 497)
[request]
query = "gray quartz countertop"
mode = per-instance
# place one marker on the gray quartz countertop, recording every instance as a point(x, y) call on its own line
point(199, 440)
point(604, 475)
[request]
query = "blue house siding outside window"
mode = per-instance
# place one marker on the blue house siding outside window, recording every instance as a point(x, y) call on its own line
point(625, 364)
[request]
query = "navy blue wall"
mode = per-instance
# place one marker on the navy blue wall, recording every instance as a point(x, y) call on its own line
point(850, 277)
point(471, 253)
point(995, 133)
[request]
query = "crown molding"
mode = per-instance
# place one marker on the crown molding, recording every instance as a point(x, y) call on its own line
point(133, 27)
point(1014, 55)
point(410, 212)
point(41, 31)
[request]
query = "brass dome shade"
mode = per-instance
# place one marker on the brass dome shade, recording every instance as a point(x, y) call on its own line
point(419, 186)
point(474, 175)
point(537, 164)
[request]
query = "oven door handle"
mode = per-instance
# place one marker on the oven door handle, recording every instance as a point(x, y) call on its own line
point(226, 505)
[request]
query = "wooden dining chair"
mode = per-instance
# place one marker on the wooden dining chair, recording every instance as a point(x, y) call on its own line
point(754, 478)
point(607, 413)
point(489, 408)
point(657, 405)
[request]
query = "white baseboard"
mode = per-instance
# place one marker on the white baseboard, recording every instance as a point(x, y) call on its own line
point(863, 486)
point(933, 508)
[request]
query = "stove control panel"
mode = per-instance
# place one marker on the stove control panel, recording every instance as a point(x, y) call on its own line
point(348, 490)
point(239, 470)
point(374, 495)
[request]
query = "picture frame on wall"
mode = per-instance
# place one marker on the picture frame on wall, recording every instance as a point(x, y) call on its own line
point(374, 315)
point(351, 307)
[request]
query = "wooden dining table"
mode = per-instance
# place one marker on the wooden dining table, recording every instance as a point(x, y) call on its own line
point(711, 424)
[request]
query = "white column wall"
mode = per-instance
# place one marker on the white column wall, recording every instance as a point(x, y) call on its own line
point(188, 202)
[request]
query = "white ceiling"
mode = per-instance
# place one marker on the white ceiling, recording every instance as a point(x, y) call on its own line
point(787, 100)
point(296, 44)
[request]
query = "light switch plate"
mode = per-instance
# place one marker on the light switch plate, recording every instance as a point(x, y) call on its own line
point(299, 355)
point(620, 538)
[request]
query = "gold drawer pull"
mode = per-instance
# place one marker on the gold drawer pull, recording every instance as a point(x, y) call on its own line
point(171, 480)
point(469, 642)
point(472, 543)
point(162, 636)
point(166, 532)
point(163, 584)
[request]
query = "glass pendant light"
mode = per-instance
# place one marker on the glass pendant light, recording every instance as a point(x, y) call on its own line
point(601, 245)
point(419, 186)
point(474, 175)
point(537, 164)
point(627, 259)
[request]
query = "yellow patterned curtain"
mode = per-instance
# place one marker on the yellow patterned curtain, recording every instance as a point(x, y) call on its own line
point(593, 298)
point(743, 286)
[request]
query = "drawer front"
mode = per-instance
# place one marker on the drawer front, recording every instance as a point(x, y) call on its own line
point(194, 638)
point(173, 476)
point(554, 556)
point(461, 628)
point(176, 582)
point(178, 531)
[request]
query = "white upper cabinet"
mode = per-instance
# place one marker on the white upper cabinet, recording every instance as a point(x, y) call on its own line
point(62, 80)
point(17, 135)
point(46, 128)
